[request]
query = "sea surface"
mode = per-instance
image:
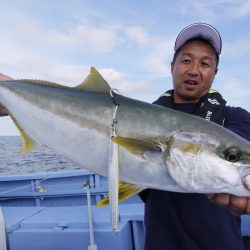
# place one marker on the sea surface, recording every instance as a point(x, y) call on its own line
point(42, 159)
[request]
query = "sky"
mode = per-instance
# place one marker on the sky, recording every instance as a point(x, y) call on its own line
point(129, 42)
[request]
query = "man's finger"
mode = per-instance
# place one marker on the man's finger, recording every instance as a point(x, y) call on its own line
point(223, 200)
point(248, 206)
point(3, 111)
point(238, 205)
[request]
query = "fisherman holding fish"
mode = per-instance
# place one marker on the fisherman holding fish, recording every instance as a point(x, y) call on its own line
point(180, 221)
point(174, 221)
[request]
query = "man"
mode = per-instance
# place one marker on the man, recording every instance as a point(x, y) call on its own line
point(178, 221)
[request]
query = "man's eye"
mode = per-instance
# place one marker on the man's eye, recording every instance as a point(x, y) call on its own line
point(205, 64)
point(186, 61)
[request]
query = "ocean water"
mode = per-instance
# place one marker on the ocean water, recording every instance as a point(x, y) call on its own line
point(39, 160)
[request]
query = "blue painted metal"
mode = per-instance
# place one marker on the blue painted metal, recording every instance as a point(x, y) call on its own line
point(245, 225)
point(63, 228)
point(49, 211)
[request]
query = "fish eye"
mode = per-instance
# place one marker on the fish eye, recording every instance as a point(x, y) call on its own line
point(232, 154)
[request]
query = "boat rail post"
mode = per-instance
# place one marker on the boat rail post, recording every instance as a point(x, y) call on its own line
point(3, 244)
point(92, 245)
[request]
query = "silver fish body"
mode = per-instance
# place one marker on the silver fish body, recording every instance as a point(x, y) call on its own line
point(159, 148)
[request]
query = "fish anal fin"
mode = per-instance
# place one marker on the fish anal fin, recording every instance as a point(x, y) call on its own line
point(28, 143)
point(126, 191)
point(94, 82)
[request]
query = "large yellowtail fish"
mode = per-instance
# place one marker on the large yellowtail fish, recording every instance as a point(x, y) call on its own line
point(153, 147)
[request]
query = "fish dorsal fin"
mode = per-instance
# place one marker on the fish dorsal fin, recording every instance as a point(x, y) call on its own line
point(28, 143)
point(135, 146)
point(126, 191)
point(94, 82)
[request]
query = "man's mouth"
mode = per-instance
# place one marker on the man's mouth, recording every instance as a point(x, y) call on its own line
point(191, 82)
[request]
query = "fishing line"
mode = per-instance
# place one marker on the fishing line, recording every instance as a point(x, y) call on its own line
point(37, 188)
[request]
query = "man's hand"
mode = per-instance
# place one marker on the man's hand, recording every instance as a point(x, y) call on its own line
point(237, 205)
point(4, 77)
point(3, 111)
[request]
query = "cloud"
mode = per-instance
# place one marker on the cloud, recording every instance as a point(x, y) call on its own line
point(66, 74)
point(80, 36)
point(231, 88)
point(30, 51)
point(203, 10)
point(32, 44)
point(157, 49)
point(210, 11)
point(83, 37)
point(20, 64)
point(121, 82)
point(147, 90)
point(138, 35)
point(34, 49)
point(241, 9)
point(236, 49)
point(159, 58)
point(24, 64)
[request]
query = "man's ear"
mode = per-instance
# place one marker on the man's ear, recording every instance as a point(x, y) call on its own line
point(172, 66)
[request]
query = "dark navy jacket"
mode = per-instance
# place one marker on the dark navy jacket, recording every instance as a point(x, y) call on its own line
point(180, 221)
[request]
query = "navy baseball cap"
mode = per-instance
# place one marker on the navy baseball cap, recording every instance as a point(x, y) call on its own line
point(201, 30)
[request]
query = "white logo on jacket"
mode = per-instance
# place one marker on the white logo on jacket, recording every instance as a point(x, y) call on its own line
point(213, 101)
point(208, 116)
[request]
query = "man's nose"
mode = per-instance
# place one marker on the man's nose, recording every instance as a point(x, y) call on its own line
point(193, 69)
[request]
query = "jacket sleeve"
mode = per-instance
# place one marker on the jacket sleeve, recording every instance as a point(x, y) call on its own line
point(238, 121)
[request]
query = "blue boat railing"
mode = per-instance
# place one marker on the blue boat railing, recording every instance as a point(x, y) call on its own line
point(47, 211)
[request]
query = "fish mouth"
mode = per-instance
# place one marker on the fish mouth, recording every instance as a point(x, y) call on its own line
point(246, 180)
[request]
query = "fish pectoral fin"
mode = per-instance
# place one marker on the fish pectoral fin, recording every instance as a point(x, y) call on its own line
point(28, 143)
point(135, 146)
point(94, 82)
point(126, 191)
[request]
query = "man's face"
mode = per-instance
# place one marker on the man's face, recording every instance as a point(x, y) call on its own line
point(193, 71)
